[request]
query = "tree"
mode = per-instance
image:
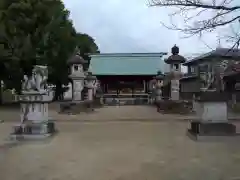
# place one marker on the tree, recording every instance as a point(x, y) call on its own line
point(58, 74)
point(37, 32)
point(25, 25)
point(60, 46)
point(205, 16)
point(87, 45)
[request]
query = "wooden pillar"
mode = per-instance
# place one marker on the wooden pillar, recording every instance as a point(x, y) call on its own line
point(144, 86)
point(104, 88)
point(132, 91)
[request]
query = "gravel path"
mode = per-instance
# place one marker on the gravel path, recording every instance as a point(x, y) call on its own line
point(120, 151)
point(104, 149)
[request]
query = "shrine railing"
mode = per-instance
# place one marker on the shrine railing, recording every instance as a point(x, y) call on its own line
point(126, 99)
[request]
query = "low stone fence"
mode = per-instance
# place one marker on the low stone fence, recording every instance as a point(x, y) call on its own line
point(126, 99)
point(174, 107)
point(188, 96)
point(70, 107)
point(8, 97)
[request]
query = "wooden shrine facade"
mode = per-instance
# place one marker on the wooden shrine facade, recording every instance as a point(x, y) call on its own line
point(125, 85)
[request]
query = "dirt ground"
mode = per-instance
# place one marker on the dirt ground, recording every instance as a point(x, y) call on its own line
point(119, 150)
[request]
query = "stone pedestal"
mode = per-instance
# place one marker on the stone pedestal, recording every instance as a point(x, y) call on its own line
point(158, 95)
point(211, 109)
point(35, 123)
point(90, 93)
point(34, 106)
point(208, 111)
point(175, 90)
point(212, 129)
point(78, 85)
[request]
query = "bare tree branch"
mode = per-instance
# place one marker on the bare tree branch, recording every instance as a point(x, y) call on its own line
point(222, 13)
point(191, 3)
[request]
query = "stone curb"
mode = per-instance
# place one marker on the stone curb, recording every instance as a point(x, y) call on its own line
point(123, 120)
point(133, 120)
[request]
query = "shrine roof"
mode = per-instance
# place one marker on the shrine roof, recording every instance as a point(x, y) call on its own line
point(219, 52)
point(127, 63)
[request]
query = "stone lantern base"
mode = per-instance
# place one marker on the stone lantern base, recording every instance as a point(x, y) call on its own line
point(212, 123)
point(33, 130)
point(201, 131)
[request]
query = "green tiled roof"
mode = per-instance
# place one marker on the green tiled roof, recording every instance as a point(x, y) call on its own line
point(127, 63)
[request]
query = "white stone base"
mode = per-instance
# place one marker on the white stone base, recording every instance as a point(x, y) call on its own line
point(34, 129)
point(235, 138)
point(212, 111)
point(175, 95)
point(30, 137)
point(175, 90)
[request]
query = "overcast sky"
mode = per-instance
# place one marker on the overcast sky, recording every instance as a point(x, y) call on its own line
point(131, 26)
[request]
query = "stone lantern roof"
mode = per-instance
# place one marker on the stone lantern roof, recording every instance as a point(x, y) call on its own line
point(159, 76)
point(175, 57)
point(90, 76)
point(76, 58)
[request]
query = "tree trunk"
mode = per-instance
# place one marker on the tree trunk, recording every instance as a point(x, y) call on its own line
point(58, 92)
point(1, 92)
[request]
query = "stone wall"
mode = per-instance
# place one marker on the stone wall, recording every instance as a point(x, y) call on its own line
point(8, 96)
point(187, 86)
point(186, 96)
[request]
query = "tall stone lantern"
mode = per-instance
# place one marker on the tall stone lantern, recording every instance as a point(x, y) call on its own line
point(77, 75)
point(175, 61)
point(158, 86)
point(91, 85)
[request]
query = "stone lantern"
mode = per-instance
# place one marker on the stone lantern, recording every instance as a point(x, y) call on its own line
point(158, 86)
point(90, 84)
point(175, 61)
point(77, 75)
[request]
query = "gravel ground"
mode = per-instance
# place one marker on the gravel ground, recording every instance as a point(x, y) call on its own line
point(118, 150)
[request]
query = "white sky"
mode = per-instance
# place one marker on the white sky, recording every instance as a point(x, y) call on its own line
point(132, 26)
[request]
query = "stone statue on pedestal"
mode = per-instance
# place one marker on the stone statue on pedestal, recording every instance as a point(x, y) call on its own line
point(36, 82)
point(29, 83)
point(40, 75)
point(34, 101)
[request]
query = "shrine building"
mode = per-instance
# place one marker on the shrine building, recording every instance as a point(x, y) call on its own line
point(126, 74)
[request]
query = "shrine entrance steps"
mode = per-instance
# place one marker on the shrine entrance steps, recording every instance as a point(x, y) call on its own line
point(126, 99)
point(115, 113)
